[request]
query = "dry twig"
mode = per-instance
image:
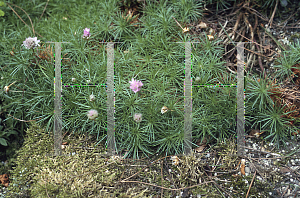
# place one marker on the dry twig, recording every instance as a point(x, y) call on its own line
point(250, 184)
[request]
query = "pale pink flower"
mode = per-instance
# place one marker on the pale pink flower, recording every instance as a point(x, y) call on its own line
point(137, 117)
point(92, 114)
point(135, 85)
point(86, 32)
point(31, 43)
point(73, 79)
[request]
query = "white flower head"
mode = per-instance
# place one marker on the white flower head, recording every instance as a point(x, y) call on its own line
point(138, 117)
point(73, 79)
point(92, 98)
point(88, 81)
point(31, 43)
point(92, 114)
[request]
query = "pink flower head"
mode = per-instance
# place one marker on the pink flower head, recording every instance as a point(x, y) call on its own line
point(31, 42)
point(135, 85)
point(86, 32)
point(92, 114)
point(138, 117)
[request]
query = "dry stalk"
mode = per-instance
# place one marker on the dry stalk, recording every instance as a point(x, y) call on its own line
point(271, 20)
point(251, 184)
point(21, 18)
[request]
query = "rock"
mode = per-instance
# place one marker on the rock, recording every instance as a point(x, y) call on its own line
point(247, 170)
point(283, 3)
point(284, 170)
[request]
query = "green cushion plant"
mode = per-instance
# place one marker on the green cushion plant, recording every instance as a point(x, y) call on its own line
point(146, 54)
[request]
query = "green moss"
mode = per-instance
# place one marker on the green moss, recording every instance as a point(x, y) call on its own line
point(82, 175)
point(296, 35)
point(90, 174)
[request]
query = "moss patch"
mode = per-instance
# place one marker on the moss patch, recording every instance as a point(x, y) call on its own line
point(91, 173)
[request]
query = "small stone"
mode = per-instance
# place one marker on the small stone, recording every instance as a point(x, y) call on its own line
point(259, 178)
point(283, 3)
point(271, 144)
point(284, 170)
point(247, 169)
point(288, 192)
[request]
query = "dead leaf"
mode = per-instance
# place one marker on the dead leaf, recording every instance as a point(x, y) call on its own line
point(296, 133)
point(243, 161)
point(4, 180)
point(255, 132)
point(243, 169)
point(212, 31)
point(210, 37)
point(201, 146)
point(185, 29)
point(175, 160)
point(45, 53)
point(201, 25)
point(12, 52)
